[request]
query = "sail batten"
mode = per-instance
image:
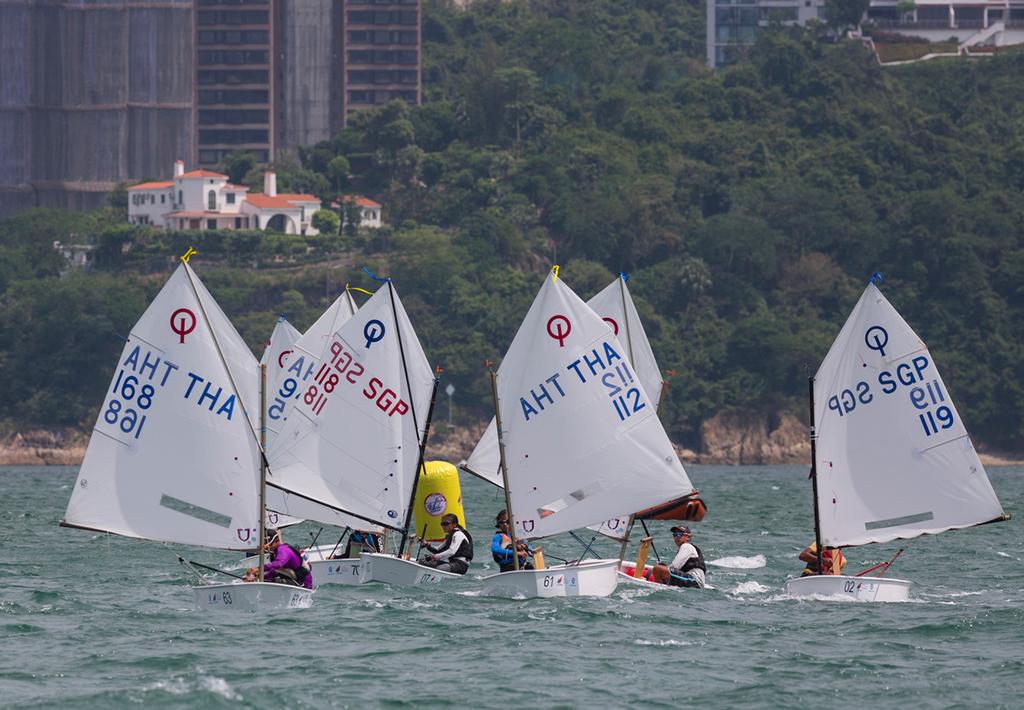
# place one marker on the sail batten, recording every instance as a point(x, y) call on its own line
point(893, 457)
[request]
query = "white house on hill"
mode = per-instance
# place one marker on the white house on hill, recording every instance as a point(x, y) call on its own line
point(202, 199)
point(369, 211)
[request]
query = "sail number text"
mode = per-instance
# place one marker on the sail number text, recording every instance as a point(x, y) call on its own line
point(925, 395)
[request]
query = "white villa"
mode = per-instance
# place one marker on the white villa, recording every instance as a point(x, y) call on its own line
point(369, 211)
point(202, 199)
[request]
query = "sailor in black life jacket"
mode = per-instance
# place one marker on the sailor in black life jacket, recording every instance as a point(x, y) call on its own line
point(456, 552)
point(687, 569)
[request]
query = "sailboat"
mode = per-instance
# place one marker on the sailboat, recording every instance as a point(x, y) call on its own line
point(890, 456)
point(174, 455)
point(355, 439)
point(578, 440)
point(293, 368)
point(614, 304)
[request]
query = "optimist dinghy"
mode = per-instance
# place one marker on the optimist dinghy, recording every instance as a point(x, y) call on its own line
point(354, 441)
point(174, 455)
point(890, 456)
point(578, 440)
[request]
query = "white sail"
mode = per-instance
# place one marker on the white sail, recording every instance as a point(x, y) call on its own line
point(352, 441)
point(172, 456)
point(582, 440)
point(279, 347)
point(275, 358)
point(293, 369)
point(615, 306)
point(894, 459)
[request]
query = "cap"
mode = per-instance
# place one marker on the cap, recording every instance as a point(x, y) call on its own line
point(269, 534)
point(681, 529)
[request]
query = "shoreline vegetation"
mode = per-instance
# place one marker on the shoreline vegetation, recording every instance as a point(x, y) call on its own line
point(749, 205)
point(727, 442)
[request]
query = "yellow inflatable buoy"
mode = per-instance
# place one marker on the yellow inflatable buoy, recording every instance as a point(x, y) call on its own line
point(437, 494)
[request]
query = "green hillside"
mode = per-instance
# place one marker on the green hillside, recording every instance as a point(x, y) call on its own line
point(750, 206)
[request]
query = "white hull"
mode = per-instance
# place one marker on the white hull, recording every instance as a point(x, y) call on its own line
point(593, 578)
point(867, 589)
point(252, 596)
point(389, 569)
point(348, 570)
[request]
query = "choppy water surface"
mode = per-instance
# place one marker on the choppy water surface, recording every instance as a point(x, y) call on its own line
point(92, 620)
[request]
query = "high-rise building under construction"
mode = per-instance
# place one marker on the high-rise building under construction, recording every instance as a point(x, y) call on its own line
point(98, 93)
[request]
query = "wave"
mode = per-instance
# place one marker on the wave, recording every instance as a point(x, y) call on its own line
point(180, 686)
point(750, 587)
point(661, 642)
point(740, 562)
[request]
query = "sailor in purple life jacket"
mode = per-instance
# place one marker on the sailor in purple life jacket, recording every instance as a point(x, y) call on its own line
point(285, 566)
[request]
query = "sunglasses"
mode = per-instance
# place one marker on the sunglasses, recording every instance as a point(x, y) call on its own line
point(679, 534)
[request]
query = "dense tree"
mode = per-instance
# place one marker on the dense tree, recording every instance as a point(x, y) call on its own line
point(750, 205)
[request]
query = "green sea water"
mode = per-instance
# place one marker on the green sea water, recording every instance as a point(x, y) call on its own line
point(96, 621)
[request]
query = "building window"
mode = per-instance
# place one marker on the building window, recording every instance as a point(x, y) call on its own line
point(163, 199)
point(238, 222)
point(211, 200)
point(231, 198)
point(211, 224)
point(181, 200)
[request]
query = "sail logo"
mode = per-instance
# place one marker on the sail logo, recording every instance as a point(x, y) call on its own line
point(185, 325)
point(613, 323)
point(559, 328)
point(373, 332)
point(876, 338)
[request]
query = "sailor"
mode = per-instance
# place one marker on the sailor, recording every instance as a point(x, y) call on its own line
point(286, 565)
point(501, 546)
point(456, 552)
point(832, 560)
point(687, 568)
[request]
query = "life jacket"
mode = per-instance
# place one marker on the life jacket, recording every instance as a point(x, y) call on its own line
point(695, 562)
point(827, 562)
point(304, 569)
point(506, 542)
point(465, 550)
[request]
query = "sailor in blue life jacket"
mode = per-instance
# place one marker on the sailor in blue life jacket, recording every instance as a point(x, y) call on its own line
point(687, 568)
point(501, 546)
point(361, 541)
point(456, 552)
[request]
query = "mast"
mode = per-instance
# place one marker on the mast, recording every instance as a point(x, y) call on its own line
point(263, 466)
point(814, 474)
point(504, 470)
point(419, 467)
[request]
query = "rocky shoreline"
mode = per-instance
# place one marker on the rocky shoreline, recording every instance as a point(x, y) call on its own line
point(724, 439)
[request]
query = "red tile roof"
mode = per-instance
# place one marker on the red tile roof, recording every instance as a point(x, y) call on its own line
point(279, 201)
point(203, 174)
point(360, 200)
point(152, 186)
point(184, 213)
